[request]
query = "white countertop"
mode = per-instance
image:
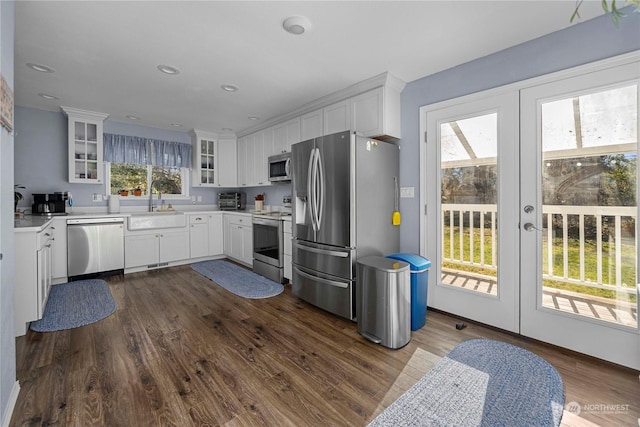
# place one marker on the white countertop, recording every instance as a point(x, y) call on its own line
point(35, 223)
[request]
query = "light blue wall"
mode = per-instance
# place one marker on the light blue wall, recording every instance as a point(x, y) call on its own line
point(7, 268)
point(579, 44)
point(41, 161)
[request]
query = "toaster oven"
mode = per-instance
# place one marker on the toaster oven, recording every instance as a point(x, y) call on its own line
point(232, 201)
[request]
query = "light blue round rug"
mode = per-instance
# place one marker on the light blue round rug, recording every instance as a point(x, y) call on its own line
point(74, 304)
point(481, 383)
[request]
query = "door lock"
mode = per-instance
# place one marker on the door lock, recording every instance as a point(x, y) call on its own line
point(528, 209)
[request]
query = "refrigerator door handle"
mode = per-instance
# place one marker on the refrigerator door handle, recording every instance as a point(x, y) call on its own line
point(321, 280)
point(320, 203)
point(314, 189)
point(310, 188)
point(322, 251)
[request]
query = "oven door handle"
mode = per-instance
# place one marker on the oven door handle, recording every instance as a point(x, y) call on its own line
point(265, 221)
point(322, 251)
point(320, 279)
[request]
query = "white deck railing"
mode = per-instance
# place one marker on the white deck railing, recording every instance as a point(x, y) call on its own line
point(470, 230)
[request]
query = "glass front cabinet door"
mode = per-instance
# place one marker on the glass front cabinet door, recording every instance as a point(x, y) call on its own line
point(205, 157)
point(85, 146)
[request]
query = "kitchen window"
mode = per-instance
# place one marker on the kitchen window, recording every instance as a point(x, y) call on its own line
point(170, 181)
point(133, 164)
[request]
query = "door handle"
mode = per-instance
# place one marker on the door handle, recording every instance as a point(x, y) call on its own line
point(530, 227)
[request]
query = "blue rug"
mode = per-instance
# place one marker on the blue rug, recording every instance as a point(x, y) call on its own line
point(238, 280)
point(481, 383)
point(74, 304)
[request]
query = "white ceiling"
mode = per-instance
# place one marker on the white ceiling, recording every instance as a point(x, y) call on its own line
point(105, 54)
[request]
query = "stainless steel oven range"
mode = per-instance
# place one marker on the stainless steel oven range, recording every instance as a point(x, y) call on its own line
point(268, 246)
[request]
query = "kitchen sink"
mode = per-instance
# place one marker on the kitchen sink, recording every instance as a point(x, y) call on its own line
point(158, 219)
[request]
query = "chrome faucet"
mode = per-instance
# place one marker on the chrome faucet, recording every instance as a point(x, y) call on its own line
point(151, 196)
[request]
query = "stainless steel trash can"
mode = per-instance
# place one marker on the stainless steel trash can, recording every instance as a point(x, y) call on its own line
point(383, 301)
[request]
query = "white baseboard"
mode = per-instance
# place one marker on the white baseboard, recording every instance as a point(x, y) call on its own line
point(11, 404)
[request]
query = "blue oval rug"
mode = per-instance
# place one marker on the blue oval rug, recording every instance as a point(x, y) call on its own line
point(481, 383)
point(238, 280)
point(74, 304)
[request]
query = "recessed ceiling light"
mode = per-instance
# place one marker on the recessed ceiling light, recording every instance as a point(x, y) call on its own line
point(168, 69)
point(47, 96)
point(226, 130)
point(253, 118)
point(296, 25)
point(133, 118)
point(176, 125)
point(229, 87)
point(40, 67)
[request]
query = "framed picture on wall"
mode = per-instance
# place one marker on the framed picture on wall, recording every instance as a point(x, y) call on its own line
point(6, 105)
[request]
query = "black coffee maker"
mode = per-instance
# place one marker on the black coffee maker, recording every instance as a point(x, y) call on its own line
point(49, 204)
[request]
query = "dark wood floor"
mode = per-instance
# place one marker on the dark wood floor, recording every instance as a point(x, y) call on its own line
point(182, 351)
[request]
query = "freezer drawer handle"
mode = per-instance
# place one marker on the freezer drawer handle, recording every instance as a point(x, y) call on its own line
point(322, 251)
point(320, 279)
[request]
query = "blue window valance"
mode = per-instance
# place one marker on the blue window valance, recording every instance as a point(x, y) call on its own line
point(146, 151)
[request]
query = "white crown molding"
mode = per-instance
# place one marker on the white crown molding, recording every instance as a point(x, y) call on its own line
point(75, 112)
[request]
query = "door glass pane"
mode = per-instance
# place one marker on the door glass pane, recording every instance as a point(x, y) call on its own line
point(468, 196)
point(589, 197)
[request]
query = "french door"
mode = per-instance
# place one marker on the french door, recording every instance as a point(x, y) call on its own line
point(531, 199)
point(579, 209)
point(472, 209)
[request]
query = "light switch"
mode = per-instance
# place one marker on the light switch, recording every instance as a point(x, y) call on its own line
point(406, 192)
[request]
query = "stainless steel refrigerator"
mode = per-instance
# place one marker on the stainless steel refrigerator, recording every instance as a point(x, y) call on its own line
point(345, 190)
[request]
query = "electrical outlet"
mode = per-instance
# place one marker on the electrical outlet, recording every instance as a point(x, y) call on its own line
point(199, 198)
point(406, 192)
point(97, 197)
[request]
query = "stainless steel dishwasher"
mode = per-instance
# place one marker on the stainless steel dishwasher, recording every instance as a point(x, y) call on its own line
point(95, 245)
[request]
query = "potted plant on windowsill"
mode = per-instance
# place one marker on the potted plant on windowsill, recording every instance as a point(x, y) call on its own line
point(137, 191)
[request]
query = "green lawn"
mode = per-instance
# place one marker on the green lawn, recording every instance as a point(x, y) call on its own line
point(573, 251)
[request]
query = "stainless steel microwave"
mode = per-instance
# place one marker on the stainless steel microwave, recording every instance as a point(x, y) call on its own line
point(280, 167)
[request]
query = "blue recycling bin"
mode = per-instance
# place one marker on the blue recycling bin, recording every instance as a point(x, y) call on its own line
point(419, 281)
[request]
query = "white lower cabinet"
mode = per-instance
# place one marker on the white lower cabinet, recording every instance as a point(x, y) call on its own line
point(205, 235)
point(216, 241)
point(238, 239)
point(198, 235)
point(156, 248)
point(33, 260)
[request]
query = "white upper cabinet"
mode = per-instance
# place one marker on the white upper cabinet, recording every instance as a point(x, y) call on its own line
point(85, 146)
point(245, 161)
point(366, 112)
point(227, 165)
point(213, 159)
point(371, 108)
point(337, 117)
point(253, 151)
point(286, 134)
point(311, 125)
point(377, 113)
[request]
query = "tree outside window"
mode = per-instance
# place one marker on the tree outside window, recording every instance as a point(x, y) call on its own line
point(166, 180)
